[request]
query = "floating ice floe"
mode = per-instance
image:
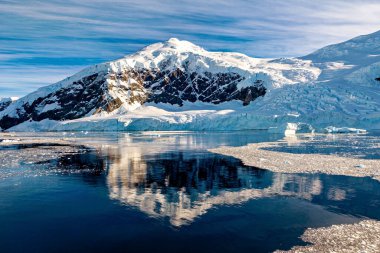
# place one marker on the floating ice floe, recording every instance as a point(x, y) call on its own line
point(351, 238)
point(339, 130)
point(263, 155)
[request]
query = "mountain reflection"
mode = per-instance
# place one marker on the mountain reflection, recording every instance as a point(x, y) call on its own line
point(183, 185)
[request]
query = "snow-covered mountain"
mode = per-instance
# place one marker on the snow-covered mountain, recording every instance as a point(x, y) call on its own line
point(177, 85)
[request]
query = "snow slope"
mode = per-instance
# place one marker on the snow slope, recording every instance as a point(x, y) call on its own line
point(337, 85)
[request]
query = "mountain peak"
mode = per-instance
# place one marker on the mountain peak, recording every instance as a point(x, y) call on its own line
point(172, 46)
point(173, 40)
point(179, 43)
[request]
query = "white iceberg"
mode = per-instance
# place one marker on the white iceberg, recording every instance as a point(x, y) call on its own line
point(291, 129)
point(286, 129)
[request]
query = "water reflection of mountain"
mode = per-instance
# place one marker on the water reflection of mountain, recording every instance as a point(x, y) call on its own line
point(182, 185)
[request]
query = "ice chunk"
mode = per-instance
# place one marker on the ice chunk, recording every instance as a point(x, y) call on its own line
point(305, 128)
point(286, 129)
point(338, 130)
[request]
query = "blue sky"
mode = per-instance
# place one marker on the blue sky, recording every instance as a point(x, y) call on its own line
point(45, 41)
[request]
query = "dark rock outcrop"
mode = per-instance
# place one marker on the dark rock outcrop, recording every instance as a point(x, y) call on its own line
point(92, 94)
point(178, 86)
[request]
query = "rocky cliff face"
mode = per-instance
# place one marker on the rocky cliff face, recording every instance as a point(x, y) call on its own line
point(179, 86)
point(96, 93)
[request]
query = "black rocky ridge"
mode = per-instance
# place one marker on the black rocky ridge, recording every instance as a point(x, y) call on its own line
point(179, 86)
point(90, 95)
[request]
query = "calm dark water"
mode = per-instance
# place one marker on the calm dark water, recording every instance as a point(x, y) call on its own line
point(166, 193)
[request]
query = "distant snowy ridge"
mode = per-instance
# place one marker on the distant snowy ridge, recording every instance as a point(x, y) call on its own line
point(176, 85)
point(5, 102)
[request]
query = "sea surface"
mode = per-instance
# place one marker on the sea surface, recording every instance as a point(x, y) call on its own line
point(164, 192)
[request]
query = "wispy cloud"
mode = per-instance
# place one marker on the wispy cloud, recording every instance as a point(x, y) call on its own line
point(47, 39)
